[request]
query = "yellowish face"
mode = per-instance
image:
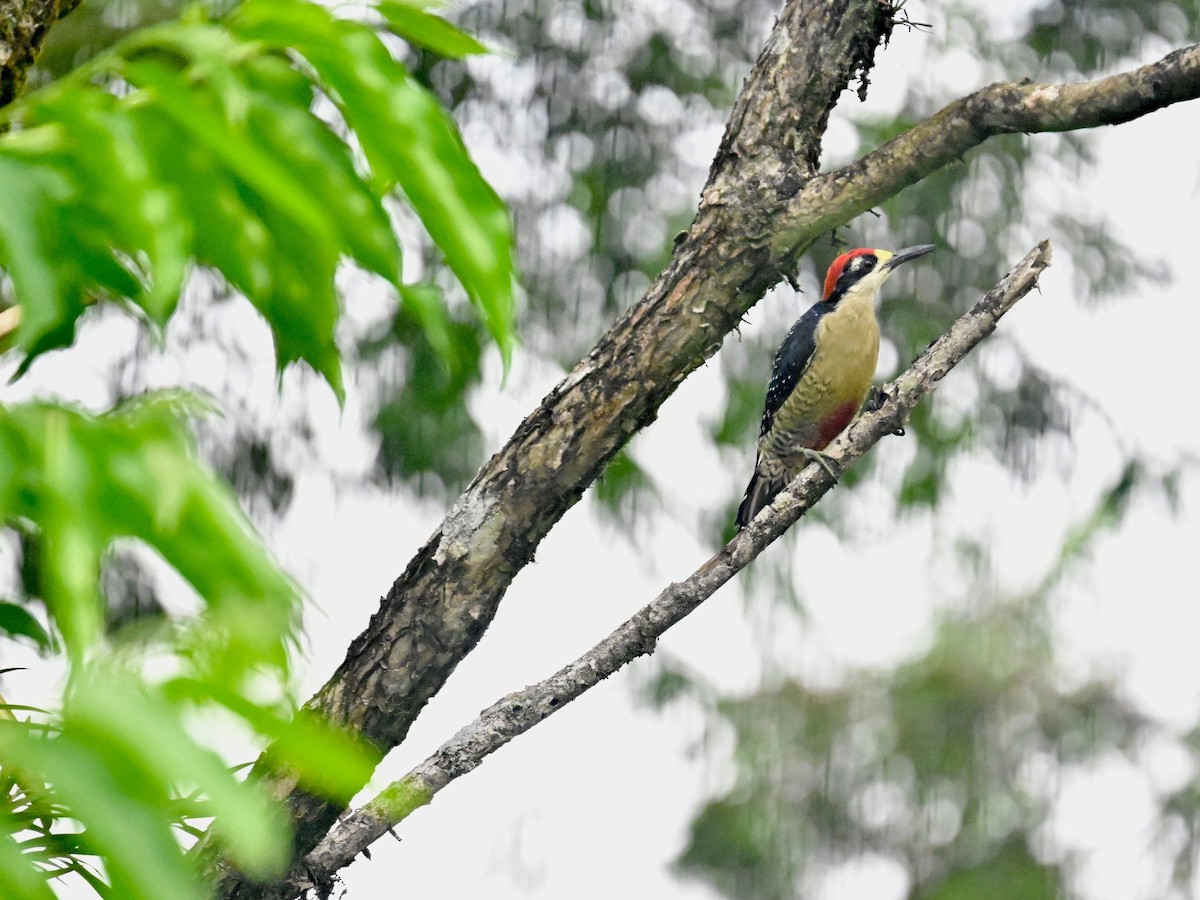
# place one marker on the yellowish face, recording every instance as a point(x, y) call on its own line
point(869, 283)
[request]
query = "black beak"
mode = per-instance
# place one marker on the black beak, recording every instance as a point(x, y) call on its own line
point(909, 253)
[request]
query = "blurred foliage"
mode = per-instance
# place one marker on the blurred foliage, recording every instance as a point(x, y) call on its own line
point(947, 766)
point(425, 428)
point(609, 96)
point(190, 152)
point(108, 777)
point(77, 482)
point(625, 491)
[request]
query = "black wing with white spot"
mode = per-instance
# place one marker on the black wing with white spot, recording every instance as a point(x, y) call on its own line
point(794, 357)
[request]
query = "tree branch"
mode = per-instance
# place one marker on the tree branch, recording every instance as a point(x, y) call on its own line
point(24, 25)
point(518, 712)
point(1001, 108)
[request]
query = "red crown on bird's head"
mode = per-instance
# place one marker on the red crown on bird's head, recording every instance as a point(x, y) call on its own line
point(835, 269)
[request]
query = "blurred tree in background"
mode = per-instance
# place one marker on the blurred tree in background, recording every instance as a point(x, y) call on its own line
point(597, 126)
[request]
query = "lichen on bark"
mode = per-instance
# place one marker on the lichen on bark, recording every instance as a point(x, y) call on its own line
point(24, 25)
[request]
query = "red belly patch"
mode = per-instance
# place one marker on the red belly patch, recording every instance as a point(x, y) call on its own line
point(833, 424)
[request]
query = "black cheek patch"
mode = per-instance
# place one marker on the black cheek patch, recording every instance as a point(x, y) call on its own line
point(853, 273)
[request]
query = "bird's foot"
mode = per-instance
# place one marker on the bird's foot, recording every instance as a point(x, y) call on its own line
point(876, 397)
point(824, 460)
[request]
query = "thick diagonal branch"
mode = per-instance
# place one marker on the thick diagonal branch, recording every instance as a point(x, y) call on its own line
point(517, 713)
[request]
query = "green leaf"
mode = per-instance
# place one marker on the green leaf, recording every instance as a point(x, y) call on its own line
point(123, 207)
point(17, 621)
point(32, 252)
point(323, 163)
point(94, 881)
point(97, 214)
point(284, 271)
point(114, 711)
point(328, 761)
point(226, 137)
point(411, 22)
point(212, 154)
point(467, 220)
point(142, 857)
point(119, 764)
point(84, 480)
point(289, 172)
point(19, 879)
point(409, 140)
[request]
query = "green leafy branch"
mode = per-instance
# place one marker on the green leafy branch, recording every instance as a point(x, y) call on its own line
point(196, 144)
point(196, 147)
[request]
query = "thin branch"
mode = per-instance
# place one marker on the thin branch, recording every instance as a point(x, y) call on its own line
point(1012, 107)
point(518, 712)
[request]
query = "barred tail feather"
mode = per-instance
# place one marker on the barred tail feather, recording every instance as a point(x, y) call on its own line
point(759, 493)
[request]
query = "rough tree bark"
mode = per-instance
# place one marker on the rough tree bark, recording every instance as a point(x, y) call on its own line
point(763, 206)
point(24, 25)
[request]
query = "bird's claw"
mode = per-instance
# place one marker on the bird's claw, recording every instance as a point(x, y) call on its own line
point(824, 460)
point(876, 397)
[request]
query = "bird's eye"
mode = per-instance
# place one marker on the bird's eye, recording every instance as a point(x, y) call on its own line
point(862, 263)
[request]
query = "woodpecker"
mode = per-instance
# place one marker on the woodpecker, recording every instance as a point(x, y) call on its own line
point(822, 373)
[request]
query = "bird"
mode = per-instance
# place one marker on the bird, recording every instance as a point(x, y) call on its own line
point(822, 373)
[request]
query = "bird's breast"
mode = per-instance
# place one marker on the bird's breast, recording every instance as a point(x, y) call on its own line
point(833, 386)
